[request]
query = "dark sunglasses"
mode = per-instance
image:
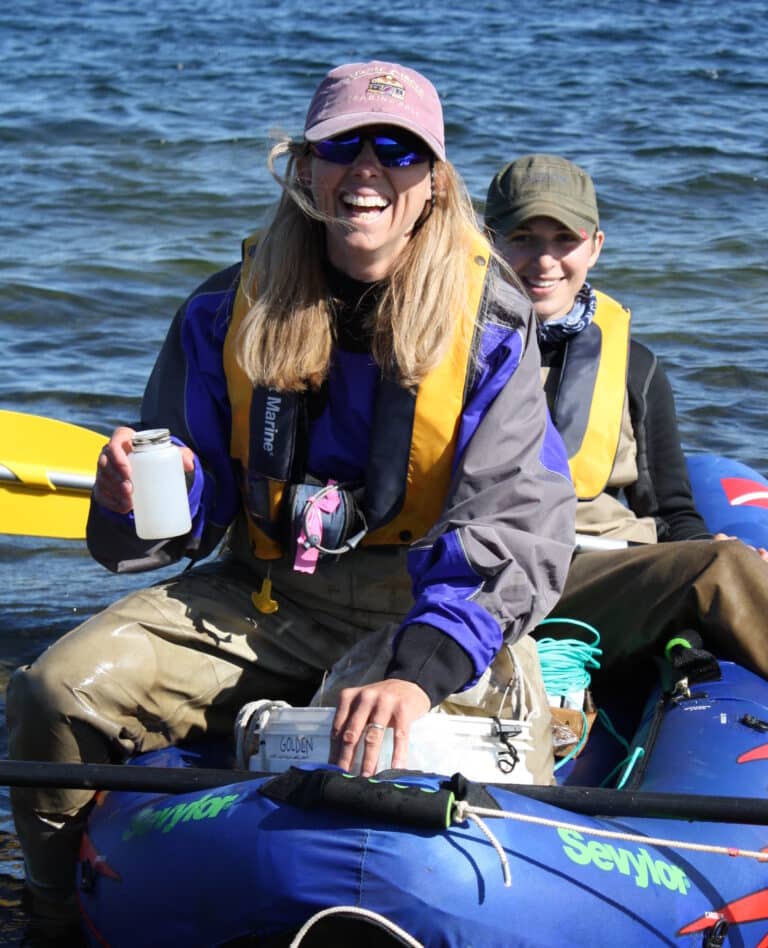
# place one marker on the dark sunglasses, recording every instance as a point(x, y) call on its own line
point(392, 152)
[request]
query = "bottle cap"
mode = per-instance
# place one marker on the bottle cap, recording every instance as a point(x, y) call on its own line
point(149, 437)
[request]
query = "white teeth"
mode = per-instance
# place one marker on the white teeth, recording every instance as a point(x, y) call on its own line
point(543, 284)
point(365, 200)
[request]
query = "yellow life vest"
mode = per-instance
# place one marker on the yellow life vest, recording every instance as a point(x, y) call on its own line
point(420, 441)
point(591, 390)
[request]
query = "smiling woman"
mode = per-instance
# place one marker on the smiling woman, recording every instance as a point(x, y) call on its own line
point(382, 194)
point(363, 181)
point(551, 261)
point(359, 410)
point(381, 185)
point(612, 402)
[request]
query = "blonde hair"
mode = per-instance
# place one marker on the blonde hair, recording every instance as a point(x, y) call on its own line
point(286, 337)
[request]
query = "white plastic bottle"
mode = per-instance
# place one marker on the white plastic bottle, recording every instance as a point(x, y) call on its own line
point(160, 503)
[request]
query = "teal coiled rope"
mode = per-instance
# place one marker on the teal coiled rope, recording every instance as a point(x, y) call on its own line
point(565, 665)
point(565, 668)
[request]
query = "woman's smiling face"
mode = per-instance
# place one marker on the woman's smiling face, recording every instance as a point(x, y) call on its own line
point(376, 208)
point(551, 261)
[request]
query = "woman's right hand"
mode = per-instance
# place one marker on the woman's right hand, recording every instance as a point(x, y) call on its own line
point(113, 488)
point(365, 712)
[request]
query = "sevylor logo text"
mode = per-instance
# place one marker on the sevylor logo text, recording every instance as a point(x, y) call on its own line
point(638, 863)
point(164, 819)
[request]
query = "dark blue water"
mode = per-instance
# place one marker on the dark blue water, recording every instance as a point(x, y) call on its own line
point(132, 147)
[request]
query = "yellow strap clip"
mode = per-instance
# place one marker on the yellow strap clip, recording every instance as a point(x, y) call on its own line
point(263, 601)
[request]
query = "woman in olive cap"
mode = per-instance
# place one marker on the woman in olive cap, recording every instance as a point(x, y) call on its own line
point(612, 403)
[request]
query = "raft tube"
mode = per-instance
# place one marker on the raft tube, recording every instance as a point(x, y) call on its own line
point(731, 497)
point(235, 866)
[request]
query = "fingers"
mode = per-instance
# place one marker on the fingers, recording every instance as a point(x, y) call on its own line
point(188, 459)
point(358, 723)
point(373, 738)
point(400, 738)
point(362, 719)
point(761, 551)
point(112, 488)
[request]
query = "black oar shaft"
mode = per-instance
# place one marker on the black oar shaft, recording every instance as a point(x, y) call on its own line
point(34, 773)
point(585, 800)
point(596, 801)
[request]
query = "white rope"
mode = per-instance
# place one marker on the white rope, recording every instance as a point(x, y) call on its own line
point(463, 810)
point(363, 913)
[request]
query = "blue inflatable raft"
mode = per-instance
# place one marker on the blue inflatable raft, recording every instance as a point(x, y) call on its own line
point(677, 857)
point(731, 497)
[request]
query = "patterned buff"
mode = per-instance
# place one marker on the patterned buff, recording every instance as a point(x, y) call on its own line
point(557, 330)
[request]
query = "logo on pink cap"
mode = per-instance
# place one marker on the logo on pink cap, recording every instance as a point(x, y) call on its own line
point(376, 93)
point(387, 85)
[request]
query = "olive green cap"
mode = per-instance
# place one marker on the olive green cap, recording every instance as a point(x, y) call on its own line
point(542, 186)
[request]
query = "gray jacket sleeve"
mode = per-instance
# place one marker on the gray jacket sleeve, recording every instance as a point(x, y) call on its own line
point(496, 562)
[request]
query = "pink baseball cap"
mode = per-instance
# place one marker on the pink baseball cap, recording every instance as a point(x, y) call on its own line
point(376, 93)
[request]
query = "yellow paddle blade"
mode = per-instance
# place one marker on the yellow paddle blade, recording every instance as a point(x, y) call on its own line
point(47, 468)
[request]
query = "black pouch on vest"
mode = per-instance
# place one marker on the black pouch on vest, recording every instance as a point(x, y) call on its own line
point(325, 518)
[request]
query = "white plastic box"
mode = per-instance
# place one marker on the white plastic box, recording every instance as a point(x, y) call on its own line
point(272, 736)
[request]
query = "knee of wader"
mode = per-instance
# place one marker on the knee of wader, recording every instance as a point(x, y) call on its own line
point(735, 559)
point(36, 697)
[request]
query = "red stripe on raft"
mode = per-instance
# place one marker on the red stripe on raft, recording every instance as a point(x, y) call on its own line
point(751, 908)
point(742, 492)
point(757, 753)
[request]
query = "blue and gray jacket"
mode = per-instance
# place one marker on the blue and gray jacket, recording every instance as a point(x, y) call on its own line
point(493, 560)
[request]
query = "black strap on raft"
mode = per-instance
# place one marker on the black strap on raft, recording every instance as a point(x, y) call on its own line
point(690, 660)
point(477, 794)
point(715, 937)
point(687, 664)
point(757, 724)
point(403, 804)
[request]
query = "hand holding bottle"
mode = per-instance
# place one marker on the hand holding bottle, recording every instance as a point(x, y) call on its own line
point(119, 474)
